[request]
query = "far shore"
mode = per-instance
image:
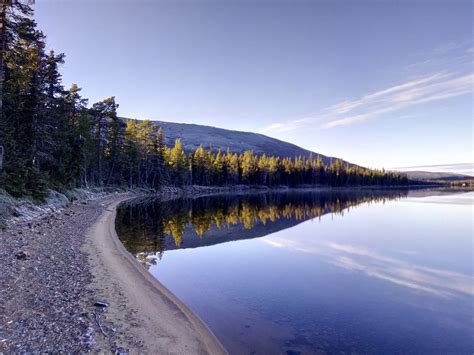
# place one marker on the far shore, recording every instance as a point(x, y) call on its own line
point(16, 210)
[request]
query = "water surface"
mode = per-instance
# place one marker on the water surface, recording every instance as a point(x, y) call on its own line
point(376, 272)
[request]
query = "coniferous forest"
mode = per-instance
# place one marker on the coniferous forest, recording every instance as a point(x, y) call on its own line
point(53, 138)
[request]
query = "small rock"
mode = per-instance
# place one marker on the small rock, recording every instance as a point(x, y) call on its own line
point(101, 304)
point(21, 255)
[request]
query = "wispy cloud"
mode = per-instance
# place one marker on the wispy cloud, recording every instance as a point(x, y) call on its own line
point(287, 126)
point(440, 86)
point(443, 283)
point(453, 81)
point(379, 96)
point(449, 56)
point(460, 168)
point(436, 281)
point(434, 87)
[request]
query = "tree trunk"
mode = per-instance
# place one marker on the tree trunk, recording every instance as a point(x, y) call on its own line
point(99, 152)
point(3, 9)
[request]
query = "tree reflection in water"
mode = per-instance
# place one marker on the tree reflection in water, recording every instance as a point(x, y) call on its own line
point(149, 227)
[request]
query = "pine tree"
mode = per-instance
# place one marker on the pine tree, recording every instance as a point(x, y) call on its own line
point(178, 164)
point(162, 173)
point(248, 163)
point(23, 112)
point(201, 166)
point(78, 139)
point(232, 167)
point(263, 171)
point(102, 113)
point(219, 168)
point(115, 137)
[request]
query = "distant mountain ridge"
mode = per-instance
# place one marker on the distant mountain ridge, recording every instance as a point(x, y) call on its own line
point(428, 175)
point(194, 135)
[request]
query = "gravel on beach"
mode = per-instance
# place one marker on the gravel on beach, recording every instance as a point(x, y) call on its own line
point(50, 300)
point(46, 304)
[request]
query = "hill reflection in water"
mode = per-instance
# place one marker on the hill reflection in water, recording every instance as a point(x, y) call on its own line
point(150, 227)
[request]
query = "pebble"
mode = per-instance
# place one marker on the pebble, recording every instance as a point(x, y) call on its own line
point(101, 304)
point(21, 255)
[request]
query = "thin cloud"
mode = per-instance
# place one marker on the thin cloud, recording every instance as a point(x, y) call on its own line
point(441, 282)
point(449, 166)
point(449, 56)
point(346, 121)
point(460, 168)
point(456, 79)
point(379, 96)
point(288, 126)
point(435, 87)
point(436, 281)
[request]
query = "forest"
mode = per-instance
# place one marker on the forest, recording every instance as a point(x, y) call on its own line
point(52, 138)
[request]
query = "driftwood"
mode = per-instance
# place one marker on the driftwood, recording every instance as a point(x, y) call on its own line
point(1, 157)
point(101, 304)
point(97, 320)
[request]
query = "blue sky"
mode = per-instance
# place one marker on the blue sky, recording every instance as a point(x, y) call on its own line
point(379, 83)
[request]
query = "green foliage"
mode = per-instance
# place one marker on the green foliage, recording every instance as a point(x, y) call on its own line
point(143, 155)
point(248, 168)
point(177, 162)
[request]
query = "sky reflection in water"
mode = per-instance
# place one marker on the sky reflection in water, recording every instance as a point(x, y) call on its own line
point(320, 272)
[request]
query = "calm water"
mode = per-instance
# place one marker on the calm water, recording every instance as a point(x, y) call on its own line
point(317, 272)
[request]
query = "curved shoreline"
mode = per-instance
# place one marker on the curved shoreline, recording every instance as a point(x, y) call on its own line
point(139, 304)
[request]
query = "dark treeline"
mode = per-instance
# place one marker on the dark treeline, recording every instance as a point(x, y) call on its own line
point(53, 138)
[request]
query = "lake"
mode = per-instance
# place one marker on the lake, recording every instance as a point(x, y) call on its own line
point(316, 272)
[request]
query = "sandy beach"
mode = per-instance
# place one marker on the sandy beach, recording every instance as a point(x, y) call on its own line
point(139, 304)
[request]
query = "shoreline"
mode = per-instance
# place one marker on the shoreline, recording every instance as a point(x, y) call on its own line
point(159, 319)
point(17, 210)
point(57, 265)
